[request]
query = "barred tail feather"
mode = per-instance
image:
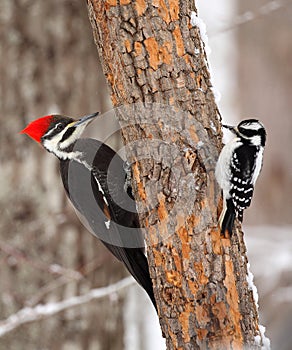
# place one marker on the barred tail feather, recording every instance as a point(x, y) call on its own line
point(240, 215)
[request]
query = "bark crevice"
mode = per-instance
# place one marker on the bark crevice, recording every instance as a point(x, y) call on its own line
point(156, 67)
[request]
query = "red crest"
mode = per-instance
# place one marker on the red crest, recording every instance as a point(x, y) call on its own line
point(38, 128)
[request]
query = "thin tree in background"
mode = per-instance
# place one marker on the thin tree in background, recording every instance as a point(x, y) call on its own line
point(155, 63)
point(44, 249)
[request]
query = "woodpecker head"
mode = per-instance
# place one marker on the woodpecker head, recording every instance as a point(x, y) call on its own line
point(251, 131)
point(58, 133)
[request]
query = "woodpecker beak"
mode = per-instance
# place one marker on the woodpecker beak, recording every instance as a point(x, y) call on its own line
point(228, 127)
point(231, 128)
point(86, 119)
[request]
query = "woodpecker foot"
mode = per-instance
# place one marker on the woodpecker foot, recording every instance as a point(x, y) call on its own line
point(128, 179)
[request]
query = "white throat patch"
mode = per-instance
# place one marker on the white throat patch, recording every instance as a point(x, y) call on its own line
point(256, 140)
point(55, 146)
point(50, 146)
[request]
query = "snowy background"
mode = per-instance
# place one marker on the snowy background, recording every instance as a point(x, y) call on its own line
point(249, 47)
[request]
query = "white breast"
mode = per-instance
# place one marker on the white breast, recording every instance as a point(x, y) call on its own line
point(222, 172)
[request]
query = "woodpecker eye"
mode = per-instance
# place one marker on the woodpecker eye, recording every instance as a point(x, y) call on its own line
point(59, 127)
point(248, 132)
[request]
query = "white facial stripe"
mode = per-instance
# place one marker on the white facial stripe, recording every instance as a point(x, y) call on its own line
point(72, 138)
point(252, 126)
point(256, 140)
point(52, 146)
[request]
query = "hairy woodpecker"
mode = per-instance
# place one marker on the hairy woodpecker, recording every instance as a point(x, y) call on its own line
point(94, 178)
point(238, 168)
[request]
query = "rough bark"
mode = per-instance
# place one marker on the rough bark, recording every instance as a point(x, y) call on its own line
point(156, 67)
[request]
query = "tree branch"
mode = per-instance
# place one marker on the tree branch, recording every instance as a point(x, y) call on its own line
point(56, 269)
point(40, 312)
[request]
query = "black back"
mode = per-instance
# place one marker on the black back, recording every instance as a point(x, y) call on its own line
point(98, 193)
point(242, 168)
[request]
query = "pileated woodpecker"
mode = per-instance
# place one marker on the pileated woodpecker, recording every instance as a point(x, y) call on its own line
point(94, 179)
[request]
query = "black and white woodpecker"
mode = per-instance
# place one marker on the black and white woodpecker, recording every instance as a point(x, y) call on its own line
point(94, 178)
point(238, 168)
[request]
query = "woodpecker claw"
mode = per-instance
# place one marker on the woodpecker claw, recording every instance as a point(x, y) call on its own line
point(228, 127)
point(128, 180)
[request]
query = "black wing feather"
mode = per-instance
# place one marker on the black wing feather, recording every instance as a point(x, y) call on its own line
point(242, 168)
point(100, 197)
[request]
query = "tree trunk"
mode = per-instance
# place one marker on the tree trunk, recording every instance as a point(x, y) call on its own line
point(155, 63)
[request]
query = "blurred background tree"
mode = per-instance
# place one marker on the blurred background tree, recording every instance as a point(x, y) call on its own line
point(48, 65)
point(251, 60)
point(264, 90)
point(264, 87)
